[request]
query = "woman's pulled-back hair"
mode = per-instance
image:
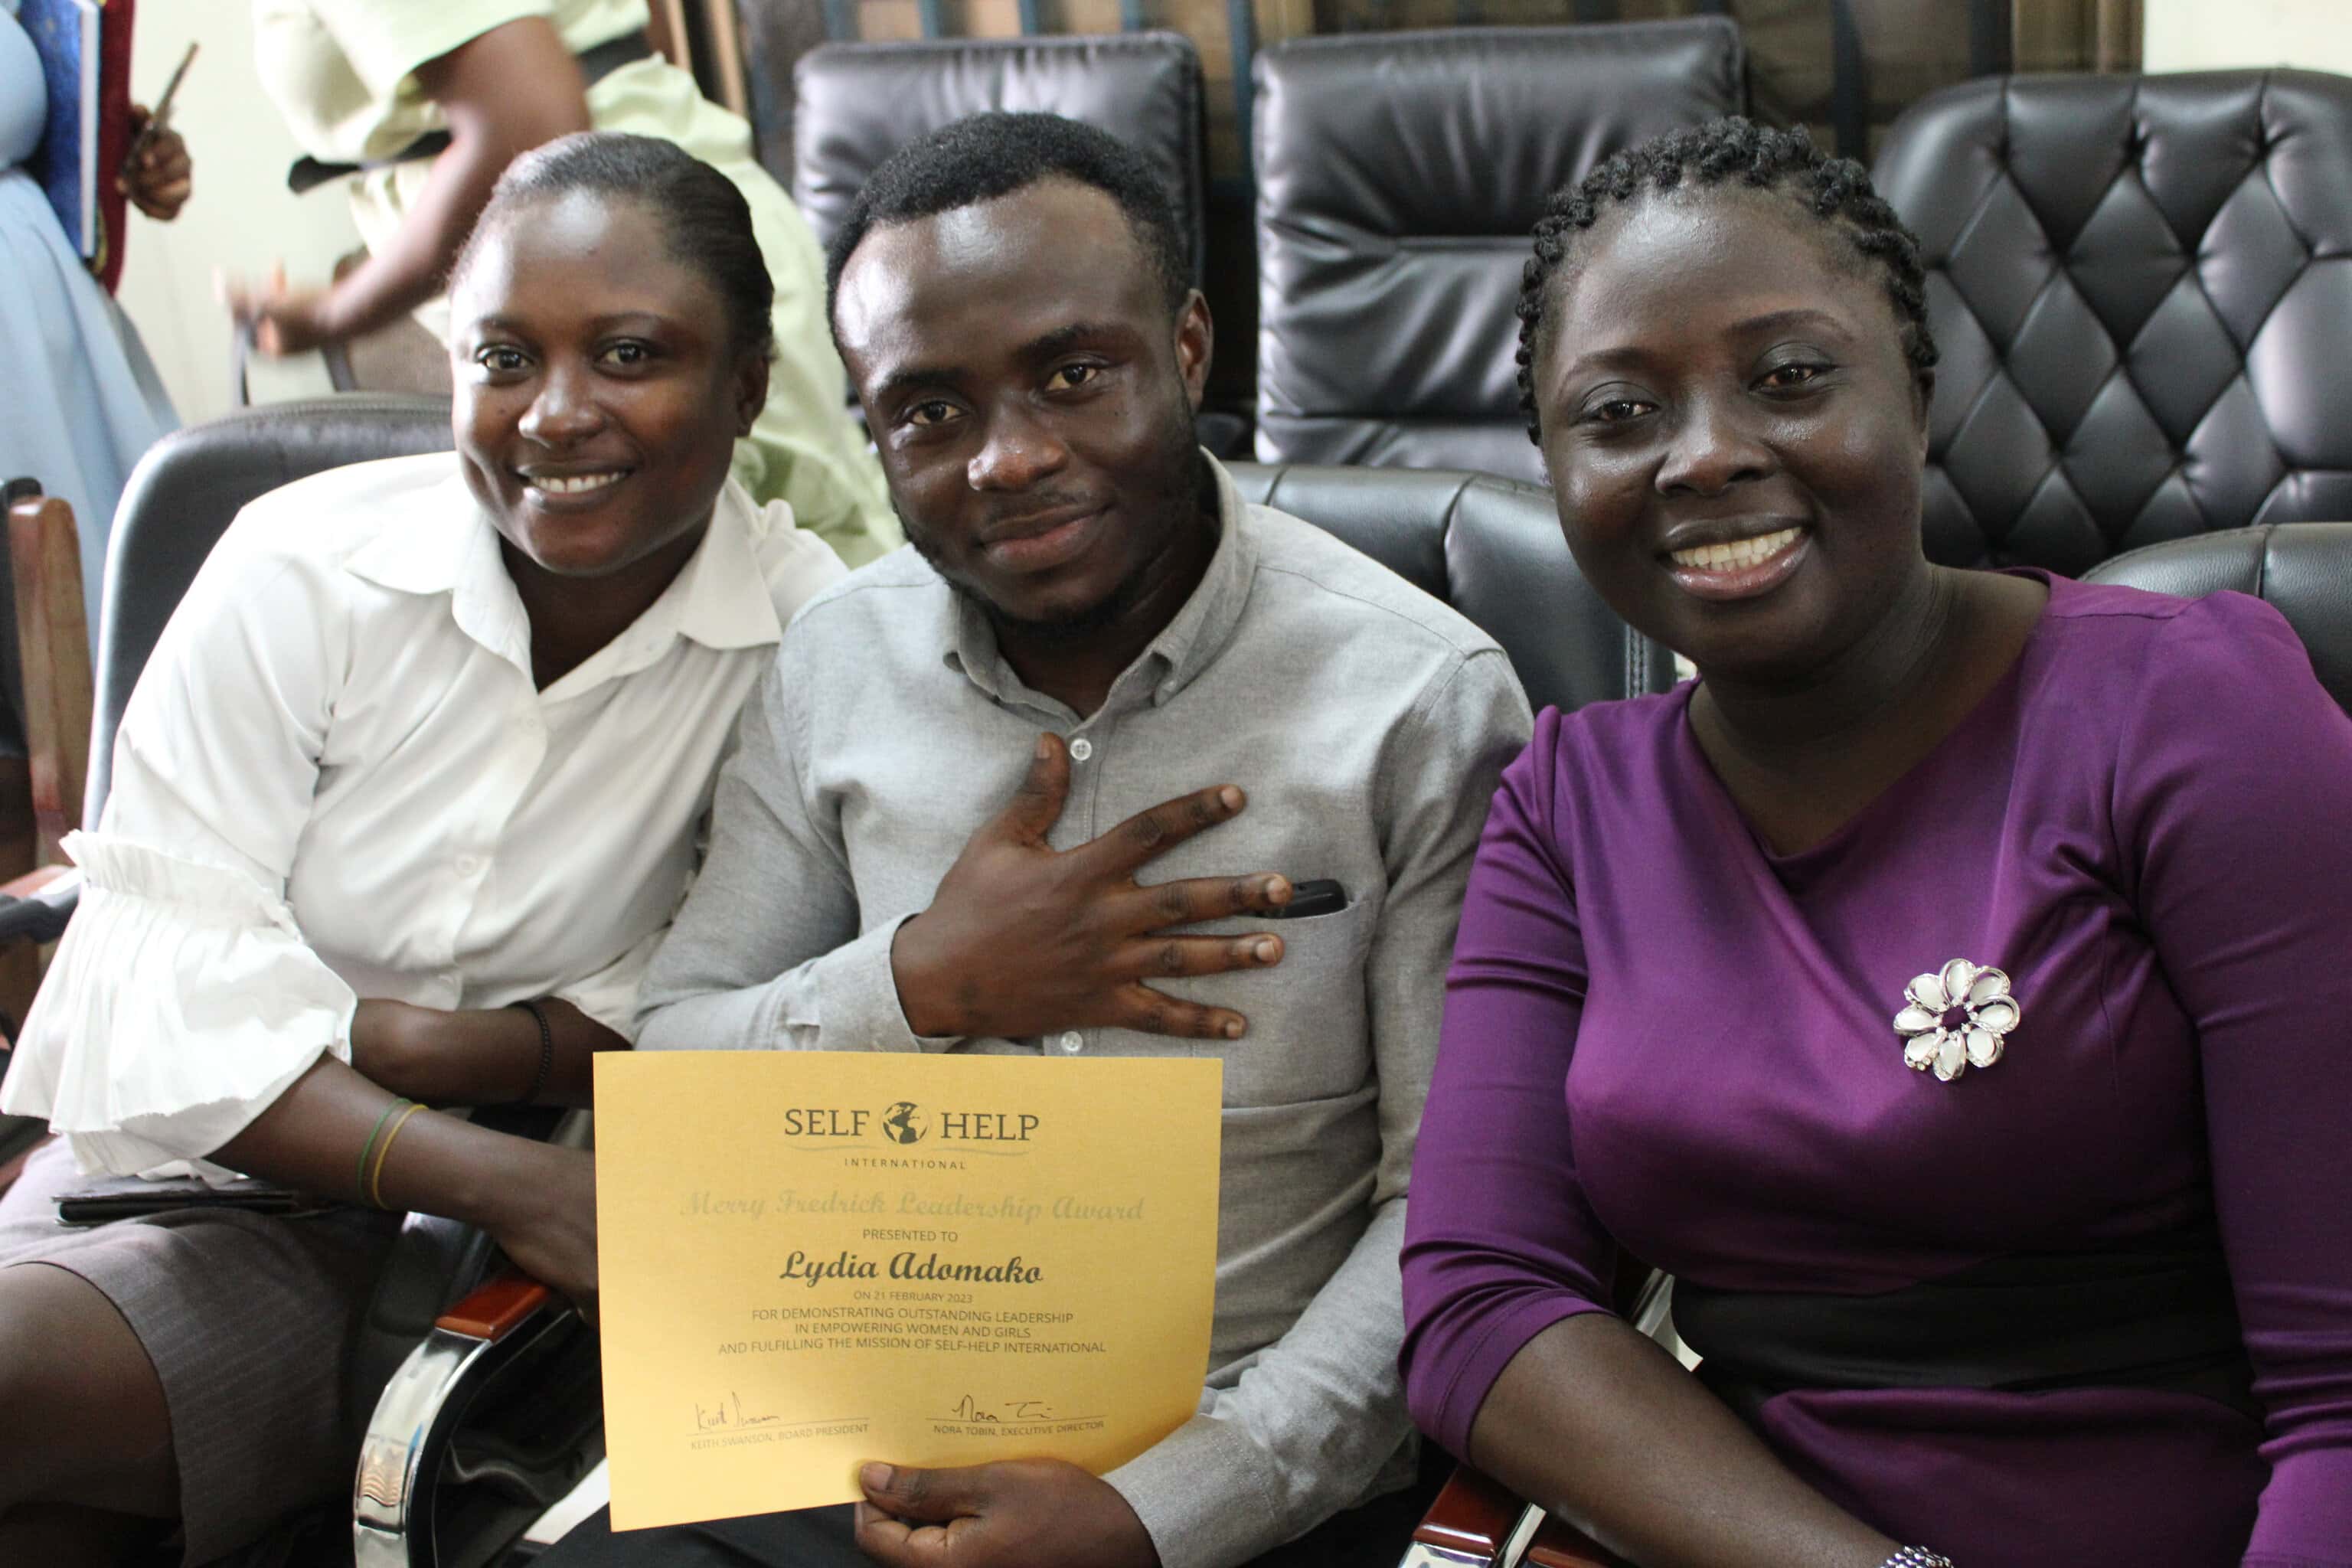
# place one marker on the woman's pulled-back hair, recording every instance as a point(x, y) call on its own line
point(706, 224)
point(1835, 191)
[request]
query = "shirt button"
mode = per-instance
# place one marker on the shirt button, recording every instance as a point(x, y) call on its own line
point(1071, 1043)
point(468, 865)
point(1080, 750)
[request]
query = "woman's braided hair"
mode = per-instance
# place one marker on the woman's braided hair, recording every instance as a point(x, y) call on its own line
point(1836, 191)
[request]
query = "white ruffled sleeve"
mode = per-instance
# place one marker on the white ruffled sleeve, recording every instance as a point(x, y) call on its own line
point(181, 1002)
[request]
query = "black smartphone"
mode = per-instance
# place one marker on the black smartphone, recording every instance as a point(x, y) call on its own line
point(1320, 897)
point(129, 1197)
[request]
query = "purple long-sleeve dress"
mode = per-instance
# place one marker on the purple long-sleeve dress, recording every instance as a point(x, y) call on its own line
point(2148, 827)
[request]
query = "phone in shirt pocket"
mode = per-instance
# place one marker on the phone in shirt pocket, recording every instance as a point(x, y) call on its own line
point(1308, 1029)
point(1310, 899)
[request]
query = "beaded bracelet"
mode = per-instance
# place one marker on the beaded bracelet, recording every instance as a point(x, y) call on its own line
point(546, 1051)
point(1916, 1557)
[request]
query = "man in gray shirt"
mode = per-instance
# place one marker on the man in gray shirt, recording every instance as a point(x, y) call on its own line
point(965, 755)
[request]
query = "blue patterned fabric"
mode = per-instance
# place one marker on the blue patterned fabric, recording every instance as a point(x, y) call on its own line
point(84, 399)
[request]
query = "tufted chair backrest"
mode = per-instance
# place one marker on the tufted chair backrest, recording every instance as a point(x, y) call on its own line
point(2142, 289)
point(858, 103)
point(1398, 176)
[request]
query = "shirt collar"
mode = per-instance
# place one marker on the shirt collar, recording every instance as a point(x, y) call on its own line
point(721, 598)
point(1185, 647)
point(726, 599)
point(1191, 642)
point(434, 545)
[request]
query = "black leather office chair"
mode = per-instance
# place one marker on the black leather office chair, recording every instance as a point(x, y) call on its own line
point(182, 498)
point(1398, 176)
point(2142, 287)
point(178, 503)
point(1492, 549)
point(858, 103)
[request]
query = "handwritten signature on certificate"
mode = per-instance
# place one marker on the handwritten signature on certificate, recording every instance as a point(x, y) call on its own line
point(728, 1415)
point(1018, 1410)
point(969, 1411)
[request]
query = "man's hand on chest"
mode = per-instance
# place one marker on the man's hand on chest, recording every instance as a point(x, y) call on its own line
point(1022, 939)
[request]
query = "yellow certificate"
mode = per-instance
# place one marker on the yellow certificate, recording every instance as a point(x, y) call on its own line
point(808, 1260)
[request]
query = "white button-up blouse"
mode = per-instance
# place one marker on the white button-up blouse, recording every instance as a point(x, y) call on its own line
point(337, 780)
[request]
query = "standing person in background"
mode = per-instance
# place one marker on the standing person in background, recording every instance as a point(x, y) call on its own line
point(426, 102)
point(84, 399)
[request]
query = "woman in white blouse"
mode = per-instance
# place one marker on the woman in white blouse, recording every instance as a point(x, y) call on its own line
point(404, 799)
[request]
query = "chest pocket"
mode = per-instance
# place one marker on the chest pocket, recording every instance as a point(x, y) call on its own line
point(1308, 1034)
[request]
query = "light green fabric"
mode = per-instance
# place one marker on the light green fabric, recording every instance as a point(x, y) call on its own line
point(341, 72)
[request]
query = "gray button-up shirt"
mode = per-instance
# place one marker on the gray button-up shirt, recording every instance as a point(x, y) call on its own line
point(1368, 723)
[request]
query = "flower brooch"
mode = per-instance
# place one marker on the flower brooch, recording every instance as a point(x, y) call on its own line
point(1955, 1018)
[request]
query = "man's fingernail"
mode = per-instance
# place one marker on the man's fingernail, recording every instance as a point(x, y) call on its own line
point(1233, 1028)
point(1044, 747)
point(1229, 797)
point(1264, 949)
point(872, 1478)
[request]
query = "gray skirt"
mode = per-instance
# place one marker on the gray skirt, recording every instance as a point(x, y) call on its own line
point(249, 1321)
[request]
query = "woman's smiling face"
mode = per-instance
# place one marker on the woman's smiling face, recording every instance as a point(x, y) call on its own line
point(599, 390)
point(1733, 431)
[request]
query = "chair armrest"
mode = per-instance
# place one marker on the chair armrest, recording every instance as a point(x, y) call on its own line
point(510, 1336)
point(433, 1263)
point(1558, 1545)
point(1471, 1523)
point(35, 907)
point(53, 650)
point(1476, 1520)
point(492, 1395)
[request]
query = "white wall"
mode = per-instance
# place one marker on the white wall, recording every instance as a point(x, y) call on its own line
point(239, 219)
point(2216, 35)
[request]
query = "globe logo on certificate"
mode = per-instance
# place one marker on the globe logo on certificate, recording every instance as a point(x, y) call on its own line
point(902, 1124)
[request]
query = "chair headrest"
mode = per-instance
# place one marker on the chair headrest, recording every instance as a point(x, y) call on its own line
point(858, 103)
point(1399, 178)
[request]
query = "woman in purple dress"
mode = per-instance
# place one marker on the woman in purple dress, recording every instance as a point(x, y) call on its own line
point(1948, 988)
